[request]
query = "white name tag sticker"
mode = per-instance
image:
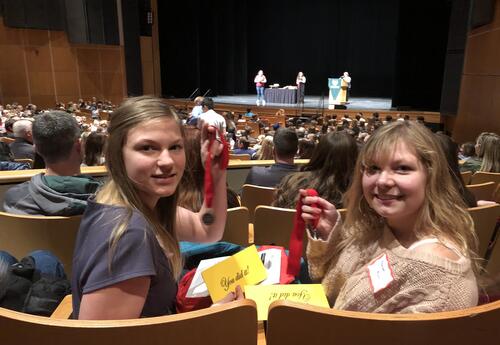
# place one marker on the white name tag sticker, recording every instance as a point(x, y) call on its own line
point(380, 273)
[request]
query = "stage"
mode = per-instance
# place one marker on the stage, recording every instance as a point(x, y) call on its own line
point(310, 102)
point(313, 106)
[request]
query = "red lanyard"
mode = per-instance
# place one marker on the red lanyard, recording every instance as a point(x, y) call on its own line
point(297, 236)
point(208, 218)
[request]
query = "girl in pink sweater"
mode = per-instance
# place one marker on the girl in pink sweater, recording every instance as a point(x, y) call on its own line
point(408, 242)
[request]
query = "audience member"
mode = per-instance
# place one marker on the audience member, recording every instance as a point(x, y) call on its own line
point(95, 144)
point(196, 111)
point(61, 190)
point(404, 217)
point(329, 172)
point(266, 150)
point(450, 150)
point(285, 147)
point(210, 117)
point(306, 149)
point(488, 154)
point(22, 147)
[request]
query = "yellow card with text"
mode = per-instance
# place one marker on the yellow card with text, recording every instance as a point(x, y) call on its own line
point(264, 295)
point(243, 268)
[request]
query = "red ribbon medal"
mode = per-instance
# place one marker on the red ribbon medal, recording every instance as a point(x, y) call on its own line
point(297, 236)
point(208, 217)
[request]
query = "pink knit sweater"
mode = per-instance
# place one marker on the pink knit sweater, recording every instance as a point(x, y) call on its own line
point(422, 282)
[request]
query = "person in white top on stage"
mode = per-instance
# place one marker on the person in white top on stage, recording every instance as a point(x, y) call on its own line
point(347, 79)
point(260, 82)
point(301, 86)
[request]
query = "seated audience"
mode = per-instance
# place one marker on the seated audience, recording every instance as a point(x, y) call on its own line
point(329, 172)
point(195, 112)
point(488, 154)
point(22, 147)
point(306, 149)
point(210, 117)
point(94, 149)
point(404, 217)
point(266, 150)
point(450, 150)
point(61, 190)
point(243, 147)
point(285, 147)
point(467, 151)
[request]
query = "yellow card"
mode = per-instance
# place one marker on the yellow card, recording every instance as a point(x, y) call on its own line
point(264, 295)
point(243, 268)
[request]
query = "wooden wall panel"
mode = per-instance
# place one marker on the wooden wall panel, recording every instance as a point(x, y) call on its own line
point(110, 60)
point(14, 84)
point(67, 85)
point(59, 39)
point(42, 67)
point(41, 84)
point(483, 53)
point(88, 60)
point(479, 106)
point(38, 59)
point(148, 80)
point(11, 58)
point(90, 83)
point(10, 36)
point(36, 37)
point(64, 59)
point(112, 83)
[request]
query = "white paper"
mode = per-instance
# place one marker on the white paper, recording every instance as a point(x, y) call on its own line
point(198, 288)
point(272, 263)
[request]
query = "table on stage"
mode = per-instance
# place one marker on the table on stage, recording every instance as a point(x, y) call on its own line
point(274, 95)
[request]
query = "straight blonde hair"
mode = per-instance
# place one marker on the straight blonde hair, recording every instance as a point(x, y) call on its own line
point(120, 190)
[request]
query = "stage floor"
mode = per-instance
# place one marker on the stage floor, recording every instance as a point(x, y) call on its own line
point(314, 102)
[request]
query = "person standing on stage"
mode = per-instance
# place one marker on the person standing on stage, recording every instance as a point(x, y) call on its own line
point(301, 86)
point(260, 82)
point(347, 79)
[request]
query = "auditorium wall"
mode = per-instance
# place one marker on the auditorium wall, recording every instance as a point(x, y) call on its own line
point(479, 105)
point(42, 67)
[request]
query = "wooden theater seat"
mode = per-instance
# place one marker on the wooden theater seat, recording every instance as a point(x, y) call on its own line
point(253, 196)
point(22, 234)
point(241, 157)
point(485, 219)
point(298, 324)
point(273, 225)
point(231, 323)
point(483, 191)
point(236, 229)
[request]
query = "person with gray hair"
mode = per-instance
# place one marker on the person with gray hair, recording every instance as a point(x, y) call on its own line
point(62, 190)
point(22, 147)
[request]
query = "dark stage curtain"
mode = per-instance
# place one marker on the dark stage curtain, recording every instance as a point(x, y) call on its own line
point(388, 46)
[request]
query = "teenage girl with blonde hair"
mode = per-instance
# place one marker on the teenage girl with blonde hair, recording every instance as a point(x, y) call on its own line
point(408, 242)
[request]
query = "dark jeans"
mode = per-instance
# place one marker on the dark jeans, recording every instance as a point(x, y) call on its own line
point(46, 262)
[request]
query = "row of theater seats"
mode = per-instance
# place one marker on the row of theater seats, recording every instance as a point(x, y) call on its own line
point(254, 222)
point(236, 323)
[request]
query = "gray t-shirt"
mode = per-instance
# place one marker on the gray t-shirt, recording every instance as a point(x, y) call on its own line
point(137, 254)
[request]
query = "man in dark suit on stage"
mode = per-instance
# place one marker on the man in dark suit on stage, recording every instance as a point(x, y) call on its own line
point(285, 147)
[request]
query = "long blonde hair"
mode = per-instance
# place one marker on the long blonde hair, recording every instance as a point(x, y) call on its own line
point(120, 190)
point(489, 151)
point(443, 214)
